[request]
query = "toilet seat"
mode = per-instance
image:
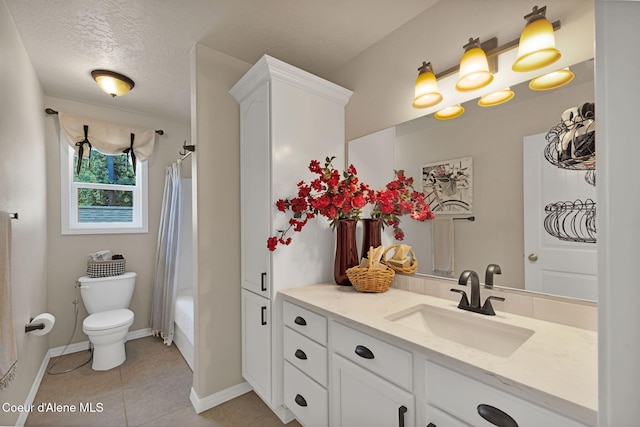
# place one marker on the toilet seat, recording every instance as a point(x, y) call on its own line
point(108, 320)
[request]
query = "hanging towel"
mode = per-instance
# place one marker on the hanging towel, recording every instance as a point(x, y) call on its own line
point(442, 245)
point(8, 354)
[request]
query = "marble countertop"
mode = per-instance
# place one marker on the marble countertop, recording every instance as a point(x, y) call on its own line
point(556, 367)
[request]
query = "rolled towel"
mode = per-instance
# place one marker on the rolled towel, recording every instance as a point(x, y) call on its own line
point(104, 255)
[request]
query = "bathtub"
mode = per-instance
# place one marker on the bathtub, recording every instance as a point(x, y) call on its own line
point(183, 332)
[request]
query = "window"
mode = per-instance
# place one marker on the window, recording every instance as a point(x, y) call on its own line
point(105, 197)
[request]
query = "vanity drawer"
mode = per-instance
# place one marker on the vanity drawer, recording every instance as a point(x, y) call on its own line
point(305, 398)
point(309, 356)
point(386, 360)
point(306, 322)
point(457, 394)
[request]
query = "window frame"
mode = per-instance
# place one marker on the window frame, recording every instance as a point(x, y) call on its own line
point(69, 199)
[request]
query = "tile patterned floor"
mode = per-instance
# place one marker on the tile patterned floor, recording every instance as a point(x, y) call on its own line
point(150, 389)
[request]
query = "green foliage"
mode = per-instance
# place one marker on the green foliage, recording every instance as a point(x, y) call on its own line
point(99, 172)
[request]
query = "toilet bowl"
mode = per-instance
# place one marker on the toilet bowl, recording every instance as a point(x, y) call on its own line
point(107, 332)
point(109, 320)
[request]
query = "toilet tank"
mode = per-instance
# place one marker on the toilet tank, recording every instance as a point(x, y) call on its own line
point(107, 293)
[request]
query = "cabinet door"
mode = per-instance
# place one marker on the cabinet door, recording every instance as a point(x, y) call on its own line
point(256, 204)
point(361, 398)
point(256, 343)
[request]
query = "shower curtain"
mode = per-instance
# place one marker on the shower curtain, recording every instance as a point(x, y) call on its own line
point(166, 277)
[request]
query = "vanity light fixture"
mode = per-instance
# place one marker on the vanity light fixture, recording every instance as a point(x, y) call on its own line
point(537, 46)
point(496, 98)
point(552, 80)
point(427, 93)
point(115, 84)
point(449, 112)
point(474, 67)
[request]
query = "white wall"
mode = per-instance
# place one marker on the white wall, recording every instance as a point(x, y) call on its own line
point(22, 190)
point(67, 255)
point(216, 176)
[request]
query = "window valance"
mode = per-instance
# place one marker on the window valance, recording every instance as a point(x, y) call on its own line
point(108, 138)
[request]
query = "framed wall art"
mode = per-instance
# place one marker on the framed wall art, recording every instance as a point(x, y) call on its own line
point(448, 186)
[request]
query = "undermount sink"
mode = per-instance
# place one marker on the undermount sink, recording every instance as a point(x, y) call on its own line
point(465, 328)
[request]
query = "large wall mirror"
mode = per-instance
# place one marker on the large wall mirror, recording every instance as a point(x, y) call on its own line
point(494, 138)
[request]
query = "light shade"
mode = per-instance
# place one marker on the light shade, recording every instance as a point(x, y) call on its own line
point(113, 83)
point(474, 68)
point(496, 98)
point(552, 80)
point(449, 112)
point(427, 93)
point(537, 47)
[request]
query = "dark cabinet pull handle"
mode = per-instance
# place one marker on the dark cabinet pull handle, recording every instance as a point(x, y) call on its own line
point(264, 317)
point(301, 354)
point(300, 321)
point(495, 416)
point(300, 400)
point(401, 411)
point(263, 281)
point(431, 425)
point(364, 352)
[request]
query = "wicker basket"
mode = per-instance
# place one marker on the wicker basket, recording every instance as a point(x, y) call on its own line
point(404, 270)
point(369, 279)
point(106, 268)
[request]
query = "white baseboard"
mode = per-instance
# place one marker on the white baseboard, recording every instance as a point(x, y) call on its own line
point(208, 402)
point(57, 351)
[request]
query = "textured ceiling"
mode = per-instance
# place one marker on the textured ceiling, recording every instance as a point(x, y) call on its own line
point(150, 41)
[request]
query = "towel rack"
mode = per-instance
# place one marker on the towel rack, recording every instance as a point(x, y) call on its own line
point(469, 218)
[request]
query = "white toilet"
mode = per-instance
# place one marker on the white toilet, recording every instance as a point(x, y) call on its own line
point(107, 300)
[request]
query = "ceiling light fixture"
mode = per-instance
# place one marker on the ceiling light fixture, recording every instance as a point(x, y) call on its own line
point(496, 98)
point(449, 112)
point(552, 80)
point(427, 93)
point(474, 67)
point(537, 47)
point(113, 83)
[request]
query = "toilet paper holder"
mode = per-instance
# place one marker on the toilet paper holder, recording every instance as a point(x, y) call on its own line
point(33, 326)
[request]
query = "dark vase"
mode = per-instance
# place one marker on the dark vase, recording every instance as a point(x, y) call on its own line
point(346, 250)
point(371, 234)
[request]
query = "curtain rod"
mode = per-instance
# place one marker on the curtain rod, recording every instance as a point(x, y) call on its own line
point(51, 111)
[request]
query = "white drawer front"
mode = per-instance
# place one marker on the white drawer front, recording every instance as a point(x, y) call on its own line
point(308, 356)
point(306, 322)
point(305, 398)
point(384, 359)
point(438, 418)
point(460, 395)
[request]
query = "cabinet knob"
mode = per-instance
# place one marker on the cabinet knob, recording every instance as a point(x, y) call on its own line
point(300, 321)
point(301, 354)
point(495, 416)
point(300, 400)
point(364, 352)
point(533, 257)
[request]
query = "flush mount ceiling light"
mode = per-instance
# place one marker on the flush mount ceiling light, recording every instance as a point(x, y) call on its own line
point(496, 98)
point(113, 83)
point(537, 47)
point(552, 80)
point(427, 93)
point(474, 67)
point(449, 112)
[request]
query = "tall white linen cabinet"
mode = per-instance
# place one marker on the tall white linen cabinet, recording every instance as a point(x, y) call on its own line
point(288, 117)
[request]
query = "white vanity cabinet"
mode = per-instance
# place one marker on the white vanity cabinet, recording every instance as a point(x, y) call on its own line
point(288, 117)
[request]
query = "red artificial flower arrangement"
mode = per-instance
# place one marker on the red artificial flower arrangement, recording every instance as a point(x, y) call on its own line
point(332, 194)
point(397, 199)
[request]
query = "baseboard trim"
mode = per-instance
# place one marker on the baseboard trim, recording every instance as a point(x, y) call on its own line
point(213, 400)
point(57, 351)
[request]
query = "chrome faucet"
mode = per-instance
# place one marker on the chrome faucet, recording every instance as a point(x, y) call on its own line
point(474, 305)
point(488, 274)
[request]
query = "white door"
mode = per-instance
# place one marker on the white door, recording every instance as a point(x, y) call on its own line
point(552, 265)
point(256, 343)
point(361, 398)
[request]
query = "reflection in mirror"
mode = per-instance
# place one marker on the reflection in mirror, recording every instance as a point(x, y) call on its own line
point(493, 138)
